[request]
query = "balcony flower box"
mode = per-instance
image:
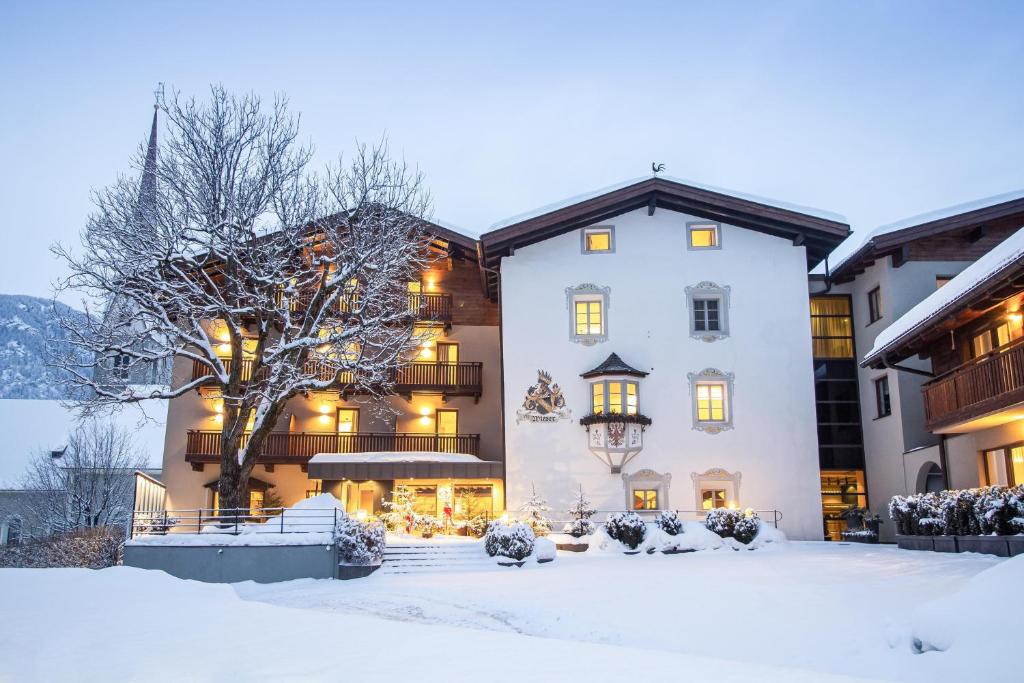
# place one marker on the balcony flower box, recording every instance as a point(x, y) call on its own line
point(990, 545)
point(915, 542)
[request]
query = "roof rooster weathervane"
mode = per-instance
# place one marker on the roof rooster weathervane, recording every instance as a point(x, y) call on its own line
point(657, 168)
point(158, 94)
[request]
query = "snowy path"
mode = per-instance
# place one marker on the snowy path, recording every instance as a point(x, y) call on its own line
point(820, 607)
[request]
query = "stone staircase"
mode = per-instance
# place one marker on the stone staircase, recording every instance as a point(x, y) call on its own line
point(416, 556)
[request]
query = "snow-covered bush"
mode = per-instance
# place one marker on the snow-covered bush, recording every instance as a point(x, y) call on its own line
point(544, 549)
point(987, 510)
point(509, 540)
point(580, 513)
point(94, 548)
point(359, 543)
point(536, 509)
point(669, 522)
point(736, 524)
point(428, 525)
point(627, 528)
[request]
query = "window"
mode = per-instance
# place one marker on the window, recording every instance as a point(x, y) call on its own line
point(600, 240)
point(883, 405)
point(610, 397)
point(589, 320)
point(122, 362)
point(1004, 466)
point(831, 327)
point(941, 280)
point(985, 342)
point(874, 305)
point(711, 392)
point(711, 402)
point(712, 498)
point(588, 308)
point(703, 236)
point(709, 311)
point(645, 499)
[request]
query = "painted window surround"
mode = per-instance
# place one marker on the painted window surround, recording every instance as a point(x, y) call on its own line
point(588, 292)
point(647, 480)
point(716, 478)
point(709, 290)
point(712, 376)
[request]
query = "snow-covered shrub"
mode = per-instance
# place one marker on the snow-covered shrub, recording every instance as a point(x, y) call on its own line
point(986, 510)
point(474, 526)
point(428, 525)
point(627, 528)
point(992, 510)
point(509, 540)
point(94, 548)
point(544, 549)
point(669, 522)
point(580, 513)
point(536, 508)
point(359, 543)
point(736, 524)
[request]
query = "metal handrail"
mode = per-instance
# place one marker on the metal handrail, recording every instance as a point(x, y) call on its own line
point(227, 520)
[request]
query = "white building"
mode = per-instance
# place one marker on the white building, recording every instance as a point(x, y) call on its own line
point(702, 296)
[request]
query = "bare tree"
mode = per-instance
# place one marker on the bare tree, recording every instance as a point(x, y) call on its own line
point(274, 280)
point(90, 484)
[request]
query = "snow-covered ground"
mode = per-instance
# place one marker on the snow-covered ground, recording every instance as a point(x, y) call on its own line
point(791, 612)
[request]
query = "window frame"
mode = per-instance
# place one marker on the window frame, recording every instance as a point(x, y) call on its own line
point(588, 292)
point(883, 402)
point(645, 507)
point(874, 304)
point(713, 489)
point(992, 331)
point(597, 229)
point(1007, 450)
point(694, 226)
point(712, 377)
point(606, 393)
point(708, 291)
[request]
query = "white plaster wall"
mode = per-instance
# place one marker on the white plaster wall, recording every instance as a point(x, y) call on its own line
point(886, 439)
point(773, 443)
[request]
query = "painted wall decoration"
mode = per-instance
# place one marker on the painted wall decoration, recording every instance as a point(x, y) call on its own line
point(544, 402)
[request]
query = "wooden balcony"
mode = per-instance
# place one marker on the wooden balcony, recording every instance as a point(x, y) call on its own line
point(430, 308)
point(983, 386)
point(447, 379)
point(296, 448)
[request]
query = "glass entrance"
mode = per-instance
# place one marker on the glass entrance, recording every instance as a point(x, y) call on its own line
point(447, 427)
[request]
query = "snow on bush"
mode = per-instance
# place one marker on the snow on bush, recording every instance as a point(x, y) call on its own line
point(544, 549)
point(743, 526)
point(94, 548)
point(515, 541)
point(987, 510)
point(627, 528)
point(668, 521)
point(359, 543)
point(536, 508)
point(580, 513)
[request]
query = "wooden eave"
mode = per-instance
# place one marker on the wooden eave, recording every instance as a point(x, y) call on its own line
point(984, 297)
point(818, 235)
point(891, 243)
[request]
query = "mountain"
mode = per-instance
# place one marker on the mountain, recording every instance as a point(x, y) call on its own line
point(28, 325)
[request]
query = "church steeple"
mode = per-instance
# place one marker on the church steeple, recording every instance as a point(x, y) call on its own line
point(147, 189)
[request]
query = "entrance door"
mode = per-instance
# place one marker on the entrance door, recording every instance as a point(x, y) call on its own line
point(448, 356)
point(348, 425)
point(447, 423)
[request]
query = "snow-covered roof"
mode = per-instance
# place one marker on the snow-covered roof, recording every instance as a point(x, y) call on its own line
point(392, 456)
point(465, 232)
point(33, 426)
point(861, 239)
point(540, 211)
point(945, 298)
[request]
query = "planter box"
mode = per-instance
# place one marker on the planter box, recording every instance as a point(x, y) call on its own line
point(352, 571)
point(990, 545)
point(945, 544)
point(573, 547)
point(1015, 544)
point(915, 542)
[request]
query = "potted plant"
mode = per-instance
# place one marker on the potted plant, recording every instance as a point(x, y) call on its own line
point(428, 525)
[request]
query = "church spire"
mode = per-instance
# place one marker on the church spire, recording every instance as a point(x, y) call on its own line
point(147, 189)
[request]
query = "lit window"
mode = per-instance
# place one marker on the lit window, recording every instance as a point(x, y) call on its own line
point(990, 339)
point(607, 397)
point(712, 498)
point(597, 393)
point(645, 499)
point(704, 237)
point(711, 402)
point(598, 240)
point(631, 398)
point(589, 319)
point(615, 398)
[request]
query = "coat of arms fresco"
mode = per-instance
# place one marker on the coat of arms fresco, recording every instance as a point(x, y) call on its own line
point(544, 402)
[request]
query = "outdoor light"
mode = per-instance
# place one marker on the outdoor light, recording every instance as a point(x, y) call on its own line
point(224, 348)
point(325, 408)
point(1015, 317)
point(361, 515)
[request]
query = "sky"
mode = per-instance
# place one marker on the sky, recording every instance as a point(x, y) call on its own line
point(875, 110)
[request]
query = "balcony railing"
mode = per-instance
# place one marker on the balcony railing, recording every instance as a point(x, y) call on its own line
point(450, 379)
point(435, 308)
point(298, 447)
point(977, 388)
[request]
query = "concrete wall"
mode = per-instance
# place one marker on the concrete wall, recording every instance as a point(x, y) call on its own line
point(773, 444)
point(886, 439)
point(231, 564)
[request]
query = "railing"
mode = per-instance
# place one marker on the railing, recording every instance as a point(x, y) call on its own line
point(985, 384)
point(300, 446)
point(232, 521)
point(430, 307)
point(772, 517)
point(437, 376)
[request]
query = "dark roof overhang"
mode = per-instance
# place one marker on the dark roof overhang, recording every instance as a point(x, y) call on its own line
point(613, 365)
